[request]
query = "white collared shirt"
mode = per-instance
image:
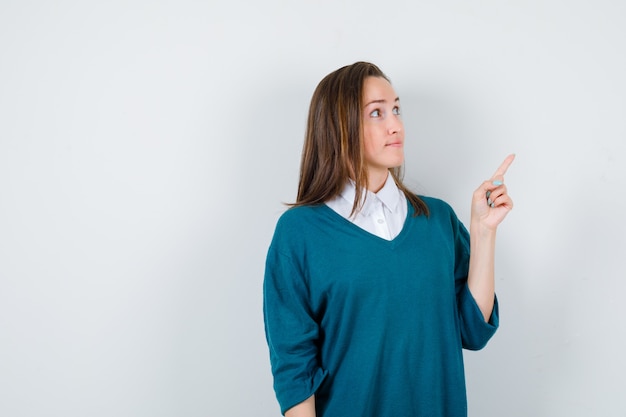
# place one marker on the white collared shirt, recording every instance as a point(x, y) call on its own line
point(383, 213)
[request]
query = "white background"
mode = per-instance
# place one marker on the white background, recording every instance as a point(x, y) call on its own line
point(146, 147)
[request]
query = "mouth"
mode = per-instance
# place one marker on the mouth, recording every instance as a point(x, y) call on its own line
point(395, 144)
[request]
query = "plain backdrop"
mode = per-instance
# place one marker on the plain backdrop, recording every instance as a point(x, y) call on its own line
point(146, 148)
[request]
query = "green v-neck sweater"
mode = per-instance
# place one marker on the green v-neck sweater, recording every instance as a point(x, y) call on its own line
point(373, 328)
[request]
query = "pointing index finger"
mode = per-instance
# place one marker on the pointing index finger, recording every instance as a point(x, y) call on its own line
point(504, 166)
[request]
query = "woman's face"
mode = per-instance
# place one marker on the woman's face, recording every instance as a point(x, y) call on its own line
point(383, 131)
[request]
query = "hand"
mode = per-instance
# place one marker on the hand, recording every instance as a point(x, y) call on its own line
point(491, 202)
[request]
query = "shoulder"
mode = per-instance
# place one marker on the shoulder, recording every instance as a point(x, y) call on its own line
point(442, 215)
point(300, 221)
point(301, 228)
point(299, 216)
point(436, 205)
point(440, 212)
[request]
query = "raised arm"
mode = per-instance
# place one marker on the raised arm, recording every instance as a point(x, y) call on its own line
point(490, 205)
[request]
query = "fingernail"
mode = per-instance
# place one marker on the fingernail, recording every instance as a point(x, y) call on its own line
point(492, 205)
point(489, 202)
point(497, 183)
point(488, 194)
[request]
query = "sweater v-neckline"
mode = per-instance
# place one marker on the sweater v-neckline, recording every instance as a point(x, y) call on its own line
point(388, 243)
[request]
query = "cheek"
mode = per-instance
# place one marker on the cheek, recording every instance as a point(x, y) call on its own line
point(373, 140)
point(370, 149)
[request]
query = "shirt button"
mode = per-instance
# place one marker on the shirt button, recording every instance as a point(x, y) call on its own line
point(381, 221)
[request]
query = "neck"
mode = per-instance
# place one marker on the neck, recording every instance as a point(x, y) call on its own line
point(376, 180)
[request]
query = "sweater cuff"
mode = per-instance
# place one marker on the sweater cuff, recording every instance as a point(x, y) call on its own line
point(298, 391)
point(475, 332)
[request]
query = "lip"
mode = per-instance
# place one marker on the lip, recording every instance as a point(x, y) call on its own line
point(395, 144)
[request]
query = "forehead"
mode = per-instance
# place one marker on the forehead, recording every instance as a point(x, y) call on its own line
point(378, 88)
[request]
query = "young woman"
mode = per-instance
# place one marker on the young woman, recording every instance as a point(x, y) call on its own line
point(370, 292)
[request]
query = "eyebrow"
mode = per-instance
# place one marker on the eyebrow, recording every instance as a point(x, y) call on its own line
point(381, 101)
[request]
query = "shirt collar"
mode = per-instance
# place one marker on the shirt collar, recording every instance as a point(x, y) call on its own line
point(388, 195)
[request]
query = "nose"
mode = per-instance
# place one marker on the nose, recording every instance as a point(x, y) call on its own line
point(395, 125)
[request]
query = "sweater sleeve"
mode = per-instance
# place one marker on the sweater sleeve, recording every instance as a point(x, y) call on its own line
point(291, 331)
point(475, 332)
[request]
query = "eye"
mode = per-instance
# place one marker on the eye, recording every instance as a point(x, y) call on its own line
point(375, 113)
point(396, 111)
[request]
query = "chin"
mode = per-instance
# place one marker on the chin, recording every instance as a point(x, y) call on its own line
point(396, 164)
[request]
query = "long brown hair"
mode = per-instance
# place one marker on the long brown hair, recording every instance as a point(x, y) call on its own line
point(333, 150)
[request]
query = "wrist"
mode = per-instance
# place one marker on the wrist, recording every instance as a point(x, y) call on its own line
point(480, 230)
